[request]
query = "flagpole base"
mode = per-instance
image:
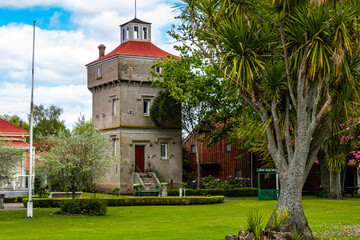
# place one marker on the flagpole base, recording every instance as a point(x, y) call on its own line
point(29, 209)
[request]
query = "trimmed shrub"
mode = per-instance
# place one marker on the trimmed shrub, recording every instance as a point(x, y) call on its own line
point(67, 207)
point(236, 192)
point(129, 201)
point(94, 207)
point(19, 198)
point(9, 199)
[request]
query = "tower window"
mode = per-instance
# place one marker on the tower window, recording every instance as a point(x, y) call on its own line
point(99, 72)
point(123, 34)
point(113, 107)
point(164, 150)
point(136, 32)
point(115, 143)
point(145, 33)
point(146, 106)
point(127, 33)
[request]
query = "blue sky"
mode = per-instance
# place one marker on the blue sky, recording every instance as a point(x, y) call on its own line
point(67, 35)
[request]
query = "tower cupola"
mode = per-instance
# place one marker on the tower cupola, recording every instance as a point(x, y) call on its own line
point(135, 30)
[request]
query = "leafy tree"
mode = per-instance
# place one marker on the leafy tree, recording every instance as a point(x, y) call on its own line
point(192, 85)
point(286, 60)
point(10, 159)
point(166, 111)
point(79, 159)
point(47, 121)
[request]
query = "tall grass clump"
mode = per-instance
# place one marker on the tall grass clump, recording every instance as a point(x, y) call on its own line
point(255, 222)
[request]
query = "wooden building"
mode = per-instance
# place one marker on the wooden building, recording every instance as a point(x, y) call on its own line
point(222, 159)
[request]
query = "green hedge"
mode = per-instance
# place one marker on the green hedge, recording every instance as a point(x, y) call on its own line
point(237, 192)
point(130, 201)
point(9, 199)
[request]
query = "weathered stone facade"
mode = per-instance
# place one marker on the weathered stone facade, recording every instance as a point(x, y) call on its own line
point(122, 96)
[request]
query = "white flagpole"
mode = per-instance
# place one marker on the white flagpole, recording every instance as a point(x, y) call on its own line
point(30, 181)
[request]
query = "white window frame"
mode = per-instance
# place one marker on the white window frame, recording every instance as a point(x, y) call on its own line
point(158, 70)
point(138, 32)
point(146, 110)
point(145, 34)
point(228, 147)
point(165, 146)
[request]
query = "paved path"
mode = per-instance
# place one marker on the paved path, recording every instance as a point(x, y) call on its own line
point(13, 206)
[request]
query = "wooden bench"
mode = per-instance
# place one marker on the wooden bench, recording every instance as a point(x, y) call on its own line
point(64, 194)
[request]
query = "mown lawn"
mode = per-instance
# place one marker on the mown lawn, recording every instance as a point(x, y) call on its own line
point(177, 222)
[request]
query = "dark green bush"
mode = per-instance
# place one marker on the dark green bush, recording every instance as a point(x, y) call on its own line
point(67, 207)
point(19, 198)
point(130, 201)
point(9, 199)
point(236, 192)
point(94, 207)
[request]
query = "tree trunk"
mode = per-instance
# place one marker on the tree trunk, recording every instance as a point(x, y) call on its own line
point(73, 195)
point(343, 177)
point(197, 162)
point(291, 200)
point(324, 172)
point(335, 186)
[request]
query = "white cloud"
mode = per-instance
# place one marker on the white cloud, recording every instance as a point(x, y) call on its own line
point(74, 99)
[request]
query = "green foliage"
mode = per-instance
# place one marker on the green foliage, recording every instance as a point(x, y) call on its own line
point(78, 159)
point(9, 199)
point(69, 207)
point(255, 222)
point(296, 235)
point(10, 159)
point(129, 201)
point(94, 207)
point(116, 190)
point(47, 121)
point(279, 219)
point(166, 111)
point(210, 182)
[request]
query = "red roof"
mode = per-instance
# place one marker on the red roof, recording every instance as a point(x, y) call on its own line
point(17, 144)
point(6, 127)
point(135, 48)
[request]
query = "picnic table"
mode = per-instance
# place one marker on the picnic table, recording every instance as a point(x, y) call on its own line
point(353, 190)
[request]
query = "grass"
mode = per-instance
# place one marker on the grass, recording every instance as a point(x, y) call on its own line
point(177, 222)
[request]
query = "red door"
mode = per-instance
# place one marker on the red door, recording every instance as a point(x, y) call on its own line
point(139, 158)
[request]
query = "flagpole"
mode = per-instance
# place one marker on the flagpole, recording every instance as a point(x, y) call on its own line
point(30, 181)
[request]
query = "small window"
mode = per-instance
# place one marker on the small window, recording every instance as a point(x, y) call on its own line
point(228, 147)
point(99, 74)
point(164, 150)
point(158, 70)
point(115, 143)
point(113, 107)
point(237, 172)
point(192, 148)
point(123, 34)
point(145, 33)
point(146, 106)
point(127, 33)
point(136, 32)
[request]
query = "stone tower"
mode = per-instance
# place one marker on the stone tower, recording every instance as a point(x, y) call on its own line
point(121, 99)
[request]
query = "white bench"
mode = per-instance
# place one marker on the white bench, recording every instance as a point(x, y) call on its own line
point(64, 194)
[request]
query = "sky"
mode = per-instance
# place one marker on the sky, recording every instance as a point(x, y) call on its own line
point(67, 35)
